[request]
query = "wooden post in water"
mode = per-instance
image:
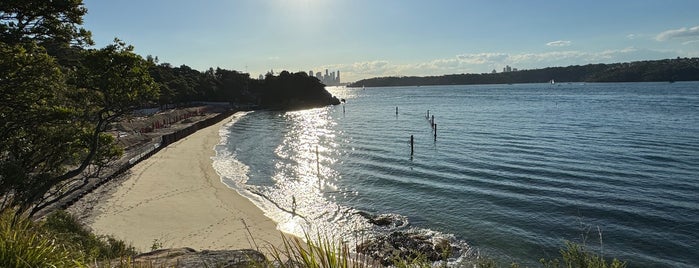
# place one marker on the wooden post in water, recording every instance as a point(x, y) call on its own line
point(343, 108)
point(435, 131)
point(317, 163)
point(428, 115)
point(432, 122)
point(396, 110)
point(412, 145)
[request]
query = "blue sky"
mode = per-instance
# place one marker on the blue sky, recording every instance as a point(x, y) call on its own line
point(369, 38)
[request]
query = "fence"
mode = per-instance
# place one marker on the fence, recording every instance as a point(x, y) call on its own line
point(146, 153)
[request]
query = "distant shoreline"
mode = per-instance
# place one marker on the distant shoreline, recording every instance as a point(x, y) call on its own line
point(668, 70)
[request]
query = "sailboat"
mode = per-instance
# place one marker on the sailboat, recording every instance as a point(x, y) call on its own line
point(552, 82)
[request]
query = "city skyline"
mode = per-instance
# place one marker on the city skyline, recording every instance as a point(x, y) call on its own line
point(366, 39)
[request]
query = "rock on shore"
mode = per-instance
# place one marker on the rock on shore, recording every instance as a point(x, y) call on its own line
point(187, 257)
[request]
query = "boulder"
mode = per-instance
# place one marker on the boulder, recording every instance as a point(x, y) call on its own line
point(187, 257)
point(405, 246)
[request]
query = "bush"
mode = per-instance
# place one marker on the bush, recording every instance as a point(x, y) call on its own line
point(576, 255)
point(24, 244)
point(70, 232)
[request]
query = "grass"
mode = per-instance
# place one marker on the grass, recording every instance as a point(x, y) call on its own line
point(576, 255)
point(57, 241)
point(60, 241)
point(319, 252)
point(69, 231)
point(25, 244)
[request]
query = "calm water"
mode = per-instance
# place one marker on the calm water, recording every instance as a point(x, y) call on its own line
point(514, 172)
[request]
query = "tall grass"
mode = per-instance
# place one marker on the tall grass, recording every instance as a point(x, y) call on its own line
point(66, 228)
point(576, 255)
point(314, 253)
point(24, 244)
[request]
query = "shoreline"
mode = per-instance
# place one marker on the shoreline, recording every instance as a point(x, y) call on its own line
point(176, 199)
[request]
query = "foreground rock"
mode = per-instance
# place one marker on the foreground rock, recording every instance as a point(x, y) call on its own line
point(187, 257)
point(406, 246)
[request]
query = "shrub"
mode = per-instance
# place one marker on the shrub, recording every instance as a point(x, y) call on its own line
point(69, 231)
point(24, 244)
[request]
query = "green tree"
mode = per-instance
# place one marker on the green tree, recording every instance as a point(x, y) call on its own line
point(57, 100)
point(54, 138)
point(23, 21)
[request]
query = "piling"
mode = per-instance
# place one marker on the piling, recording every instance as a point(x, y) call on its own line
point(412, 145)
point(432, 122)
point(435, 131)
point(396, 110)
point(428, 114)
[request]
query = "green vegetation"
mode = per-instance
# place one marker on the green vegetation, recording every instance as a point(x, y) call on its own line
point(65, 228)
point(576, 255)
point(24, 244)
point(180, 85)
point(59, 241)
point(669, 70)
point(58, 100)
point(319, 252)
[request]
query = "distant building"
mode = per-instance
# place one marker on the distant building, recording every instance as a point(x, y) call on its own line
point(494, 71)
point(310, 73)
point(508, 69)
point(330, 78)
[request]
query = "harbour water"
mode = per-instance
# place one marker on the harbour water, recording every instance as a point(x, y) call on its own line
point(515, 170)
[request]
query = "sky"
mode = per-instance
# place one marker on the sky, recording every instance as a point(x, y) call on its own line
point(374, 38)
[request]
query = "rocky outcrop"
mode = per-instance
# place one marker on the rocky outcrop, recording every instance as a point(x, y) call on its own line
point(187, 257)
point(405, 246)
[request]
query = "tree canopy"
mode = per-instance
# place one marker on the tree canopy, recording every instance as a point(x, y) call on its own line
point(43, 21)
point(54, 117)
point(180, 85)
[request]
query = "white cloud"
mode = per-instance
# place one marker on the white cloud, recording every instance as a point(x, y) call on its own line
point(678, 33)
point(369, 66)
point(690, 42)
point(559, 43)
point(481, 58)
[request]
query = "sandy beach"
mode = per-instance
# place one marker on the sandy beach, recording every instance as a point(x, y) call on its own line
point(176, 199)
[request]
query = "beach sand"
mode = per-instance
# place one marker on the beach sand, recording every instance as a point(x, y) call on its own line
point(176, 199)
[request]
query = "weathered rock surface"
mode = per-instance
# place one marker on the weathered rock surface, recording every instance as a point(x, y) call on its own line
point(187, 257)
point(405, 246)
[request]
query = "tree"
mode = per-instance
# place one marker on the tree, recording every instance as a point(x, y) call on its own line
point(54, 139)
point(37, 139)
point(58, 21)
